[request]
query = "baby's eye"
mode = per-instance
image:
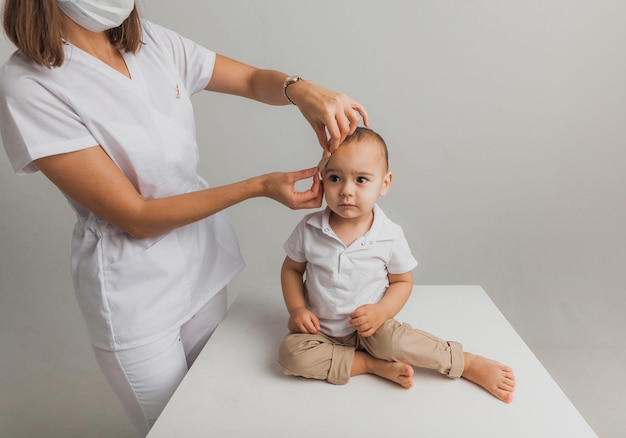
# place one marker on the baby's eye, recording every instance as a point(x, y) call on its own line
point(361, 180)
point(333, 178)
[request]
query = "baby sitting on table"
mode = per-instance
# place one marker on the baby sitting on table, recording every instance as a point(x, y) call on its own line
point(357, 265)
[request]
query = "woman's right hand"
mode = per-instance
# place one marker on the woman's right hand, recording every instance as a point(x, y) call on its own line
point(92, 179)
point(281, 187)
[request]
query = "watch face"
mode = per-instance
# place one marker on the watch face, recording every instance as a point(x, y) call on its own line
point(290, 80)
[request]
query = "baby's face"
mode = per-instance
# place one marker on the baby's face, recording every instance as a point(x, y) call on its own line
point(355, 176)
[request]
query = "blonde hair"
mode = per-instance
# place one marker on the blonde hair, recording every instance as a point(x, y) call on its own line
point(35, 27)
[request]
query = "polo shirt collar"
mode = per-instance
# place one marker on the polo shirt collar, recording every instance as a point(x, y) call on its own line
point(378, 231)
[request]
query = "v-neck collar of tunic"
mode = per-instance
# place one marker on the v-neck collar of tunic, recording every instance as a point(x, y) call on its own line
point(134, 83)
point(103, 66)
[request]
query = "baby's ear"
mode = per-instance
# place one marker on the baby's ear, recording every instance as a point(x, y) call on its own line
point(384, 188)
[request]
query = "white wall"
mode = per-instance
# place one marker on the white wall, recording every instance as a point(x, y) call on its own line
point(505, 126)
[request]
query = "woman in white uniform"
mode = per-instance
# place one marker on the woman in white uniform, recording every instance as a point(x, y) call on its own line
point(99, 101)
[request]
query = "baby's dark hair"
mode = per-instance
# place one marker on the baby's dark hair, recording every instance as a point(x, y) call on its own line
point(362, 133)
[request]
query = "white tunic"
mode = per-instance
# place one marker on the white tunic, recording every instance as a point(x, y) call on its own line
point(339, 279)
point(131, 291)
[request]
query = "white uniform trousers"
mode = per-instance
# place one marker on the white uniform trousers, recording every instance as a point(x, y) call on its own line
point(144, 378)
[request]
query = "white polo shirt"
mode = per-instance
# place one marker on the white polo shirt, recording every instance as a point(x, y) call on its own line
point(340, 279)
point(130, 291)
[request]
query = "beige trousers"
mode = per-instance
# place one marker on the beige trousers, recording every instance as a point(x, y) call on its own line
point(330, 358)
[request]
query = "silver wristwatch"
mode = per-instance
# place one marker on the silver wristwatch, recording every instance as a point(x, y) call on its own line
point(290, 80)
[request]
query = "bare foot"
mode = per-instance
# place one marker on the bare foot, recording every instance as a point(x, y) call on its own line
point(397, 372)
point(495, 377)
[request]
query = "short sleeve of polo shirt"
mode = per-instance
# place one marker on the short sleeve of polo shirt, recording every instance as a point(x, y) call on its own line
point(294, 246)
point(401, 260)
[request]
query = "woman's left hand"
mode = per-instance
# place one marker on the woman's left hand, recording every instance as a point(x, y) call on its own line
point(332, 115)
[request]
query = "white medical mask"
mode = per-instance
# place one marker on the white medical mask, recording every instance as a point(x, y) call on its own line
point(97, 15)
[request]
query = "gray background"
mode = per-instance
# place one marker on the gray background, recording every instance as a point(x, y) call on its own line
point(505, 122)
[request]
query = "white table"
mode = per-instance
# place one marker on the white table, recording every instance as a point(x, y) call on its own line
point(236, 389)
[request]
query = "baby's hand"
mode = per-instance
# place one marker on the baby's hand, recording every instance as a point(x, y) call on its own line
point(302, 320)
point(367, 319)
